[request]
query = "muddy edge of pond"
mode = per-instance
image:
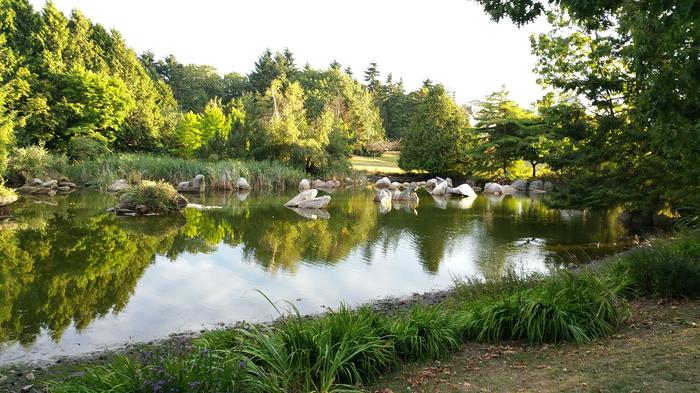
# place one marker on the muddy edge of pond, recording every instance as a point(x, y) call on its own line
point(16, 376)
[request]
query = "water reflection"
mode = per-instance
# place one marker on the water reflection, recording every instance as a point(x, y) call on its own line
point(70, 273)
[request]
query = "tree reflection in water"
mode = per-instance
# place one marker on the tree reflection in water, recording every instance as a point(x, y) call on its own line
point(71, 263)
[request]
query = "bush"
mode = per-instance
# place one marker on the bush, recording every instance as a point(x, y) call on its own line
point(34, 161)
point(158, 197)
point(670, 270)
point(83, 148)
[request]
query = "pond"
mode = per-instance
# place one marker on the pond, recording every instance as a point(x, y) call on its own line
point(74, 279)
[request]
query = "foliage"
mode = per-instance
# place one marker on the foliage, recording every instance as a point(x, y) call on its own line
point(438, 134)
point(568, 307)
point(105, 170)
point(506, 133)
point(71, 77)
point(425, 334)
point(158, 197)
point(87, 147)
point(668, 270)
point(635, 67)
point(34, 161)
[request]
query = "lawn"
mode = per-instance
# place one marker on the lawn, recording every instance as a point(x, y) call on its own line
point(387, 163)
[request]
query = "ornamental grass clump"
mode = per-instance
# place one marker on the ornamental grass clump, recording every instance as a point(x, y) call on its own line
point(667, 270)
point(567, 307)
point(335, 353)
point(425, 333)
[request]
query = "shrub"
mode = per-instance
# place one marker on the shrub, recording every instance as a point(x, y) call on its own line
point(34, 161)
point(158, 197)
point(669, 270)
point(83, 148)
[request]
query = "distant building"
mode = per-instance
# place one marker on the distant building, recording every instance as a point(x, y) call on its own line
point(472, 108)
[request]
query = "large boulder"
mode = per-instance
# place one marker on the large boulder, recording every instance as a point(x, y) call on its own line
point(508, 189)
point(493, 188)
point(519, 185)
point(242, 184)
point(431, 183)
point(440, 188)
point(384, 182)
point(536, 185)
point(195, 185)
point(302, 196)
point(119, 185)
point(394, 185)
point(66, 184)
point(464, 190)
point(316, 203)
point(304, 185)
point(50, 184)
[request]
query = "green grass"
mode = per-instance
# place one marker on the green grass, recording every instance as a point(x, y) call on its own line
point(387, 163)
point(138, 166)
point(666, 270)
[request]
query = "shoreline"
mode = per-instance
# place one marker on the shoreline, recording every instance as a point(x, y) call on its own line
point(15, 374)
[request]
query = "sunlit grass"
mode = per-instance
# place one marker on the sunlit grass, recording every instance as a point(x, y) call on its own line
point(387, 163)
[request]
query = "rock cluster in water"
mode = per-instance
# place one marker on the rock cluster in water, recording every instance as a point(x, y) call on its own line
point(48, 187)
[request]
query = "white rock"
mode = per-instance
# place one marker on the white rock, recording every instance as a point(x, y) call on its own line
point(462, 190)
point(493, 188)
point(395, 185)
point(316, 203)
point(302, 196)
point(384, 182)
point(440, 189)
point(118, 185)
point(242, 184)
point(304, 185)
point(520, 185)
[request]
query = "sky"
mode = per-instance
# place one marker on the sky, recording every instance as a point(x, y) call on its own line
point(452, 42)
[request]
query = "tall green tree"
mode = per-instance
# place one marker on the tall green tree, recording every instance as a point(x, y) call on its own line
point(637, 64)
point(438, 136)
point(503, 131)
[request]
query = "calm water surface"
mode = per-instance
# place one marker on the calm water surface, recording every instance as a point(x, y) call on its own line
point(74, 279)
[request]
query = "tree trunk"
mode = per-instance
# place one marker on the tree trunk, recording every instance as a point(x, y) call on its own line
point(534, 169)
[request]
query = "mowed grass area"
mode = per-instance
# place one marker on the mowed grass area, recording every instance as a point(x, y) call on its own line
point(656, 351)
point(387, 163)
